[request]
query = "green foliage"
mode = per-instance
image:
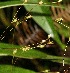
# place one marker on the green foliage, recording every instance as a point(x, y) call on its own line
point(13, 69)
point(8, 49)
point(41, 15)
point(21, 2)
point(43, 20)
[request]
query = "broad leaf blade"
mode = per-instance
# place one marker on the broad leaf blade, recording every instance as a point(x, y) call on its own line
point(31, 54)
point(45, 22)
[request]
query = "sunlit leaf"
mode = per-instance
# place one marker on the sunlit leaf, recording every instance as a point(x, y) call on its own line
point(42, 15)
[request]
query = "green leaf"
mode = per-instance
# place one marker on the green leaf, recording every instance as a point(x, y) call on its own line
point(44, 20)
point(13, 69)
point(22, 2)
point(10, 3)
point(5, 45)
point(64, 32)
point(31, 54)
point(66, 61)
